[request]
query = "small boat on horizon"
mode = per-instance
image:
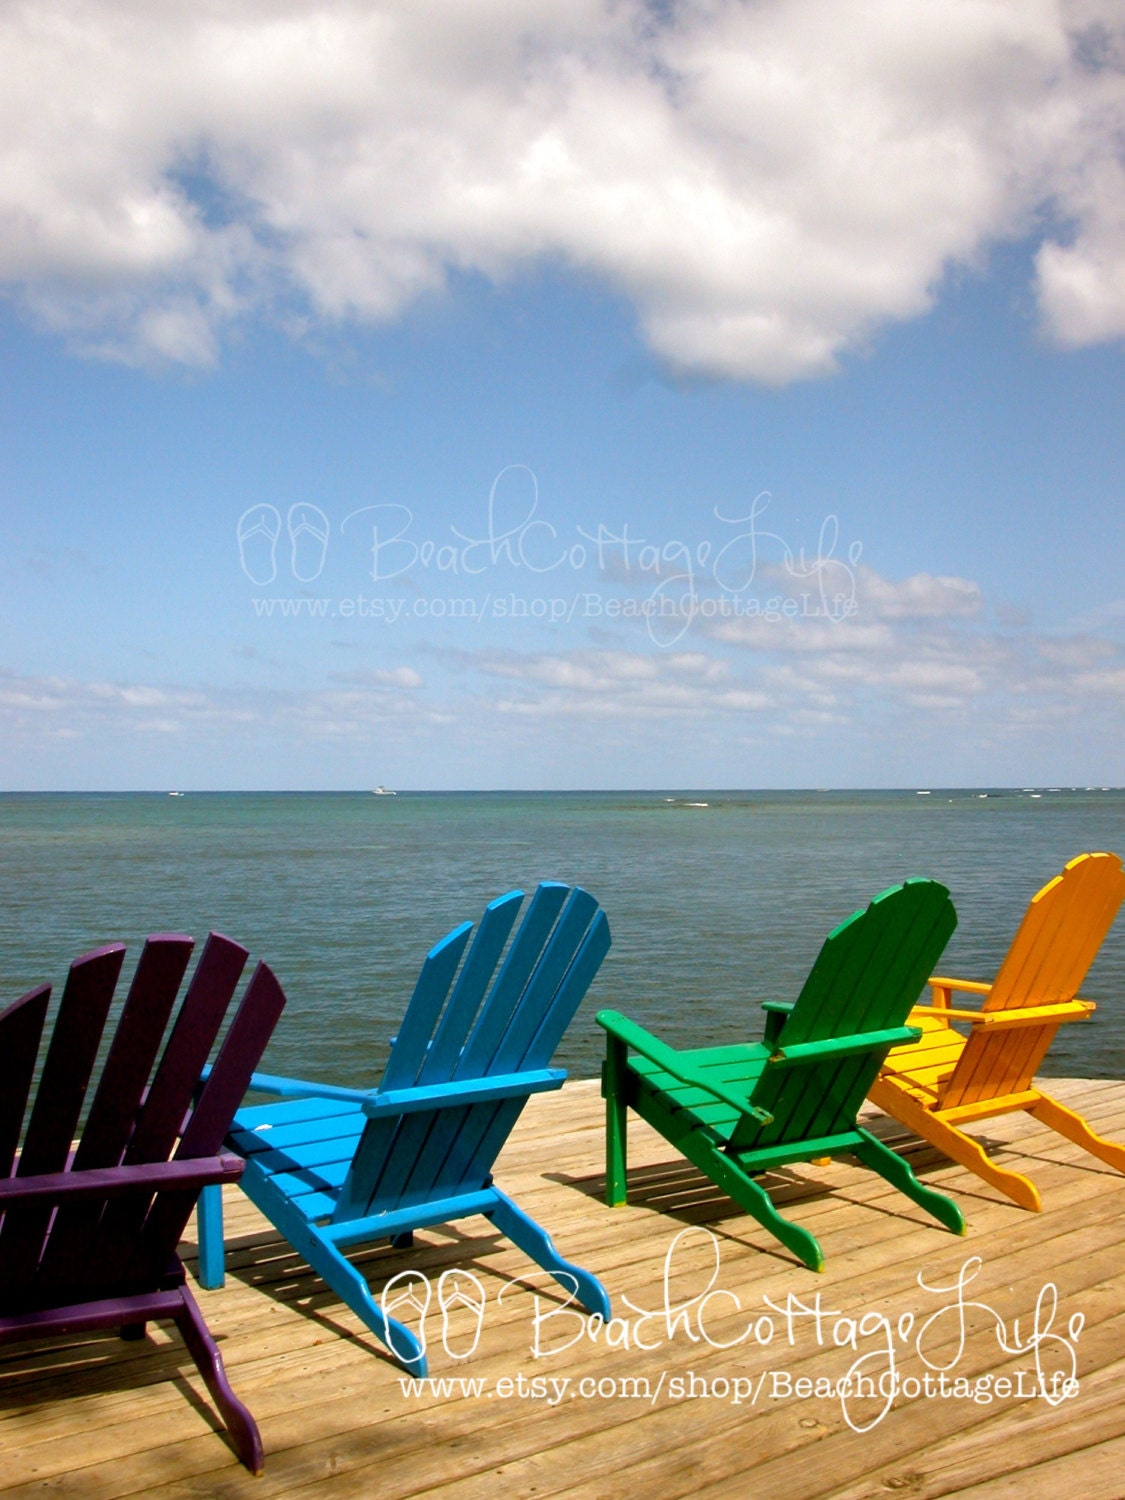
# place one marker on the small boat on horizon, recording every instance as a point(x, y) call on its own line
point(382, 791)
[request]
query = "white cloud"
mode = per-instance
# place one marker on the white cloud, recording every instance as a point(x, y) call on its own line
point(381, 677)
point(854, 688)
point(619, 685)
point(57, 707)
point(767, 183)
point(921, 596)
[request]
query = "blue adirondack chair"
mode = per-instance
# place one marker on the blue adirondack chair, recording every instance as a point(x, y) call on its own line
point(336, 1167)
point(89, 1237)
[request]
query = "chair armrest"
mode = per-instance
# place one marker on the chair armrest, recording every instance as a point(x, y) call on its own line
point(658, 1052)
point(114, 1182)
point(943, 988)
point(1021, 1015)
point(294, 1088)
point(776, 1012)
point(462, 1091)
point(949, 1012)
point(298, 1088)
point(843, 1046)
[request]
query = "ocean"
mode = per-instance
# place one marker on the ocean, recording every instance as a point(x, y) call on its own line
point(716, 900)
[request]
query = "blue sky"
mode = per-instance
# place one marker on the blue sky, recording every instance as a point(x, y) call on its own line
point(325, 282)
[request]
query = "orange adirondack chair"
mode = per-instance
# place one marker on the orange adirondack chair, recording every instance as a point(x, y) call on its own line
point(947, 1080)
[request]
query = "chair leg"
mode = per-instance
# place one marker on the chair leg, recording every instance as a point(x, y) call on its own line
point(203, 1349)
point(352, 1288)
point(727, 1174)
point(338, 1272)
point(1074, 1127)
point(958, 1146)
point(872, 1153)
point(535, 1242)
point(616, 1124)
point(209, 1226)
point(334, 1268)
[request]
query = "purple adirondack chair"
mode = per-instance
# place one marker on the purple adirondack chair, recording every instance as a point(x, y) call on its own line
point(88, 1238)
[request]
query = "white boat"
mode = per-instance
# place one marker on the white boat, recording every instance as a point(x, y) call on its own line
point(382, 791)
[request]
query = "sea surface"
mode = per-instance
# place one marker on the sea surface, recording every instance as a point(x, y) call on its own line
point(716, 900)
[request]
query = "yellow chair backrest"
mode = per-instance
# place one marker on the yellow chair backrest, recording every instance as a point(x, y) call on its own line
point(1050, 955)
point(1060, 934)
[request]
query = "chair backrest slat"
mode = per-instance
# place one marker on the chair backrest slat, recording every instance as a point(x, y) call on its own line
point(197, 1025)
point(21, 1027)
point(472, 985)
point(70, 1060)
point(160, 972)
point(542, 1041)
point(169, 1099)
point(58, 1101)
point(113, 1113)
point(478, 1056)
point(226, 1085)
point(541, 991)
point(409, 1050)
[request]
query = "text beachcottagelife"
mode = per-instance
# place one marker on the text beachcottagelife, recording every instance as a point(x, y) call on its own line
point(680, 581)
point(877, 1342)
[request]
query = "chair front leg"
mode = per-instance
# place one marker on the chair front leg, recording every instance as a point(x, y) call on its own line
point(535, 1242)
point(209, 1225)
point(209, 1362)
point(616, 1122)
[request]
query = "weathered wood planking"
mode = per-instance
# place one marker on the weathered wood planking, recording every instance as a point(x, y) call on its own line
point(105, 1418)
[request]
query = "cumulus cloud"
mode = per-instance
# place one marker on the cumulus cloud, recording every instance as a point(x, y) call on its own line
point(767, 183)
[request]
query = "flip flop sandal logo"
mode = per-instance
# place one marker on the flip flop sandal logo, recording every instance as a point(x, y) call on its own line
point(458, 1289)
point(410, 1289)
point(308, 541)
point(258, 531)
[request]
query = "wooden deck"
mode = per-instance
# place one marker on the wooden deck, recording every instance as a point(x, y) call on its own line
point(102, 1418)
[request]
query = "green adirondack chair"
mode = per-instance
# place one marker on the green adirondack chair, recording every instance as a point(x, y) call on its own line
point(740, 1110)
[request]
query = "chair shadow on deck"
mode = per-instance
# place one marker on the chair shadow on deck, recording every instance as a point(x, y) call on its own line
point(923, 1154)
point(265, 1262)
point(676, 1189)
point(98, 1364)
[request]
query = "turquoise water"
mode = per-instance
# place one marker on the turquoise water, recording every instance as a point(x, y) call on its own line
point(712, 908)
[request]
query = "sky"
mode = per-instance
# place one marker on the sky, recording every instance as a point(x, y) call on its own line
point(605, 395)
